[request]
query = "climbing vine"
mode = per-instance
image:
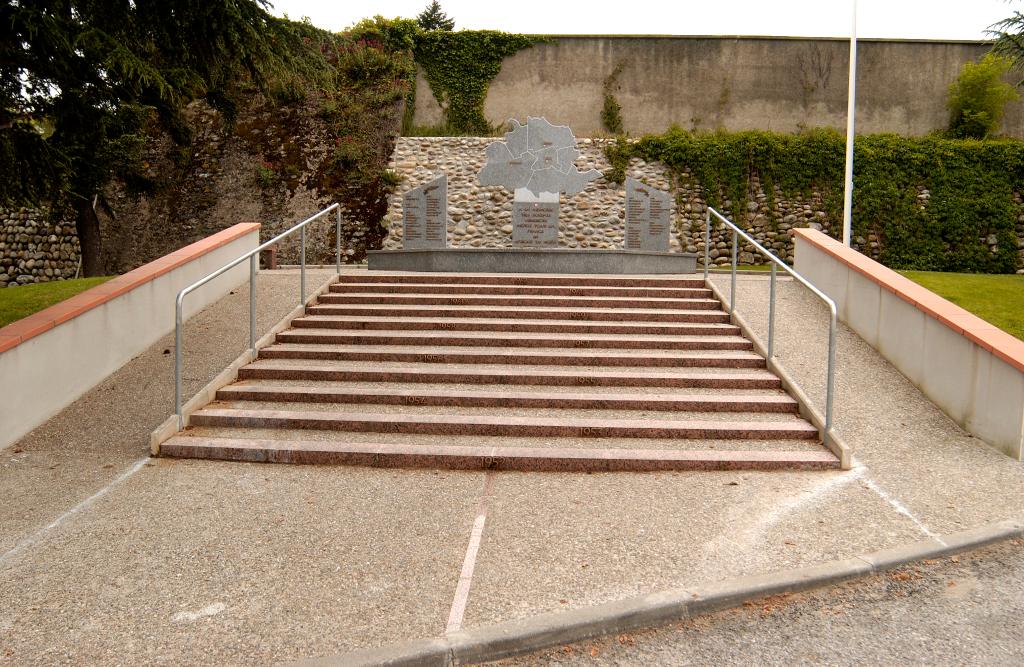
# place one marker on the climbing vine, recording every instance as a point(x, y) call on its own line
point(611, 111)
point(459, 66)
point(933, 203)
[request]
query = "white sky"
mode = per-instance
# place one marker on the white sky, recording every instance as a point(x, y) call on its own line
point(910, 19)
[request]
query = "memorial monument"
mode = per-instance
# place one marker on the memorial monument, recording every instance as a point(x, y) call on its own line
point(536, 162)
point(425, 215)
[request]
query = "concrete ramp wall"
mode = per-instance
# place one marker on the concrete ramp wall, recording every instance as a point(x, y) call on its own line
point(969, 368)
point(52, 357)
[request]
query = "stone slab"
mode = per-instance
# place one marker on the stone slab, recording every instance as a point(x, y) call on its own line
point(648, 217)
point(536, 260)
point(425, 215)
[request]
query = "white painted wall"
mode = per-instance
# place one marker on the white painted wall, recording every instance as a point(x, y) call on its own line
point(48, 372)
point(980, 391)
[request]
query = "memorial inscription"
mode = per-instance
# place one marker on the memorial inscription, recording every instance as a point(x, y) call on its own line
point(534, 224)
point(648, 217)
point(425, 215)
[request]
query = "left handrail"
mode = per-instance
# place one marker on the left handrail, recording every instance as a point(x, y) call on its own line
point(252, 256)
point(776, 262)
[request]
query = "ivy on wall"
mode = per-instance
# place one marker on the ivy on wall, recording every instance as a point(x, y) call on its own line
point(970, 187)
point(459, 66)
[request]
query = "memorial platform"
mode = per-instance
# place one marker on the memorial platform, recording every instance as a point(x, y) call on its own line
point(532, 260)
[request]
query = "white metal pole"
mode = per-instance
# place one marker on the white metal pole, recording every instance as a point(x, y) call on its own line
point(851, 106)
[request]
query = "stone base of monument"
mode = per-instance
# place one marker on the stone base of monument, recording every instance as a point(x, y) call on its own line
point(532, 260)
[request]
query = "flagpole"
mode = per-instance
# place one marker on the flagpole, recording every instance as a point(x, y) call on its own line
point(851, 105)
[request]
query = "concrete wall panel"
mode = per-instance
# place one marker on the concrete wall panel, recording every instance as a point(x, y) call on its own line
point(730, 83)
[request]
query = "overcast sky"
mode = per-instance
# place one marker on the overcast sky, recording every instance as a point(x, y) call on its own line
point(912, 19)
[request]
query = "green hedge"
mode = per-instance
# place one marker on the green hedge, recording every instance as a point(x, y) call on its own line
point(971, 185)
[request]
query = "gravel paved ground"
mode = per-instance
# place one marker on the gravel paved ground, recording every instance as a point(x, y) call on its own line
point(218, 563)
point(964, 610)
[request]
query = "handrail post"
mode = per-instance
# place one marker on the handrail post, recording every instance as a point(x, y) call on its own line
point(252, 303)
point(732, 294)
point(830, 387)
point(337, 240)
point(707, 240)
point(771, 316)
point(302, 266)
point(177, 361)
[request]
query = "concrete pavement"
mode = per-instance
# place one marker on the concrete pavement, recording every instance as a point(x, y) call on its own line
point(206, 562)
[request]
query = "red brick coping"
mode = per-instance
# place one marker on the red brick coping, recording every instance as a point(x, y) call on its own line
point(998, 342)
point(18, 332)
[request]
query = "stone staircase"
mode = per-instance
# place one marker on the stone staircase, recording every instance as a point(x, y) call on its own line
point(524, 372)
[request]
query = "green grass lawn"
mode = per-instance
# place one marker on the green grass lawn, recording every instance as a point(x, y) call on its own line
point(997, 299)
point(19, 302)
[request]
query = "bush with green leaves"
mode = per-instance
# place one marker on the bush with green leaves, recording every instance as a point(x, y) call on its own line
point(978, 97)
point(971, 185)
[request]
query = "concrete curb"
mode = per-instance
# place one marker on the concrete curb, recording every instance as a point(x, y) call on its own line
point(504, 640)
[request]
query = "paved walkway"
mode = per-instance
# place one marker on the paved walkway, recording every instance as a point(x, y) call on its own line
point(107, 556)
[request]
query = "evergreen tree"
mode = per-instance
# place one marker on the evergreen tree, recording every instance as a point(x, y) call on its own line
point(80, 79)
point(433, 18)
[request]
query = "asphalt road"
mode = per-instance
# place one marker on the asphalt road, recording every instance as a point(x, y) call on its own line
point(963, 610)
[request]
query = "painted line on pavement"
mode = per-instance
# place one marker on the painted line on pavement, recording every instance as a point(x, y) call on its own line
point(39, 534)
point(902, 509)
point(469, 563)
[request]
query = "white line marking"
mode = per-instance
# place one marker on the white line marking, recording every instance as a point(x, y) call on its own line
point(39, 534)
point(902, 509)
point(466, 576)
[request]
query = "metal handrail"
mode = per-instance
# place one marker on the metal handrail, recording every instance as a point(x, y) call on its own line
point(776, 262)
point(252, 256)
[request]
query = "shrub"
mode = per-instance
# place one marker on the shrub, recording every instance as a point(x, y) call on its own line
point(977, 98)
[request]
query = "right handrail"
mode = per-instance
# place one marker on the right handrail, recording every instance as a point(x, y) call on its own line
point(776, 262)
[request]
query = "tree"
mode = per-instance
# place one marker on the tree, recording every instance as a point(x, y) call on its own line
point(432, 18)
point(978, 96)
point(81, 79)
point(1009, 40)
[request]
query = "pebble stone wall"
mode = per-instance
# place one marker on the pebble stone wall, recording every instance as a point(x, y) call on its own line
point(34, 249)
point(481, 217)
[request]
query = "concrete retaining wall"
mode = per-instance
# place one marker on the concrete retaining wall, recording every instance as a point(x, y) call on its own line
point(973, 371)
point(732, 83)
point(51, 358)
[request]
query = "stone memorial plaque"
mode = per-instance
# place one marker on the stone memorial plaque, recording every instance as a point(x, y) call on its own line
point(648, 217)
point(425, 215)
point(534, 224)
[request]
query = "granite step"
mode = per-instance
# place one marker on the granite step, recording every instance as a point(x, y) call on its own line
point(511, 375)
point(467, 324)
point(523, 312)
point(498, 355)
point(501, 425)
point(533, 459)
point(516, 339)
point(571, 280)
point(530, 301)
point(516, 290)
point(759, 403)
